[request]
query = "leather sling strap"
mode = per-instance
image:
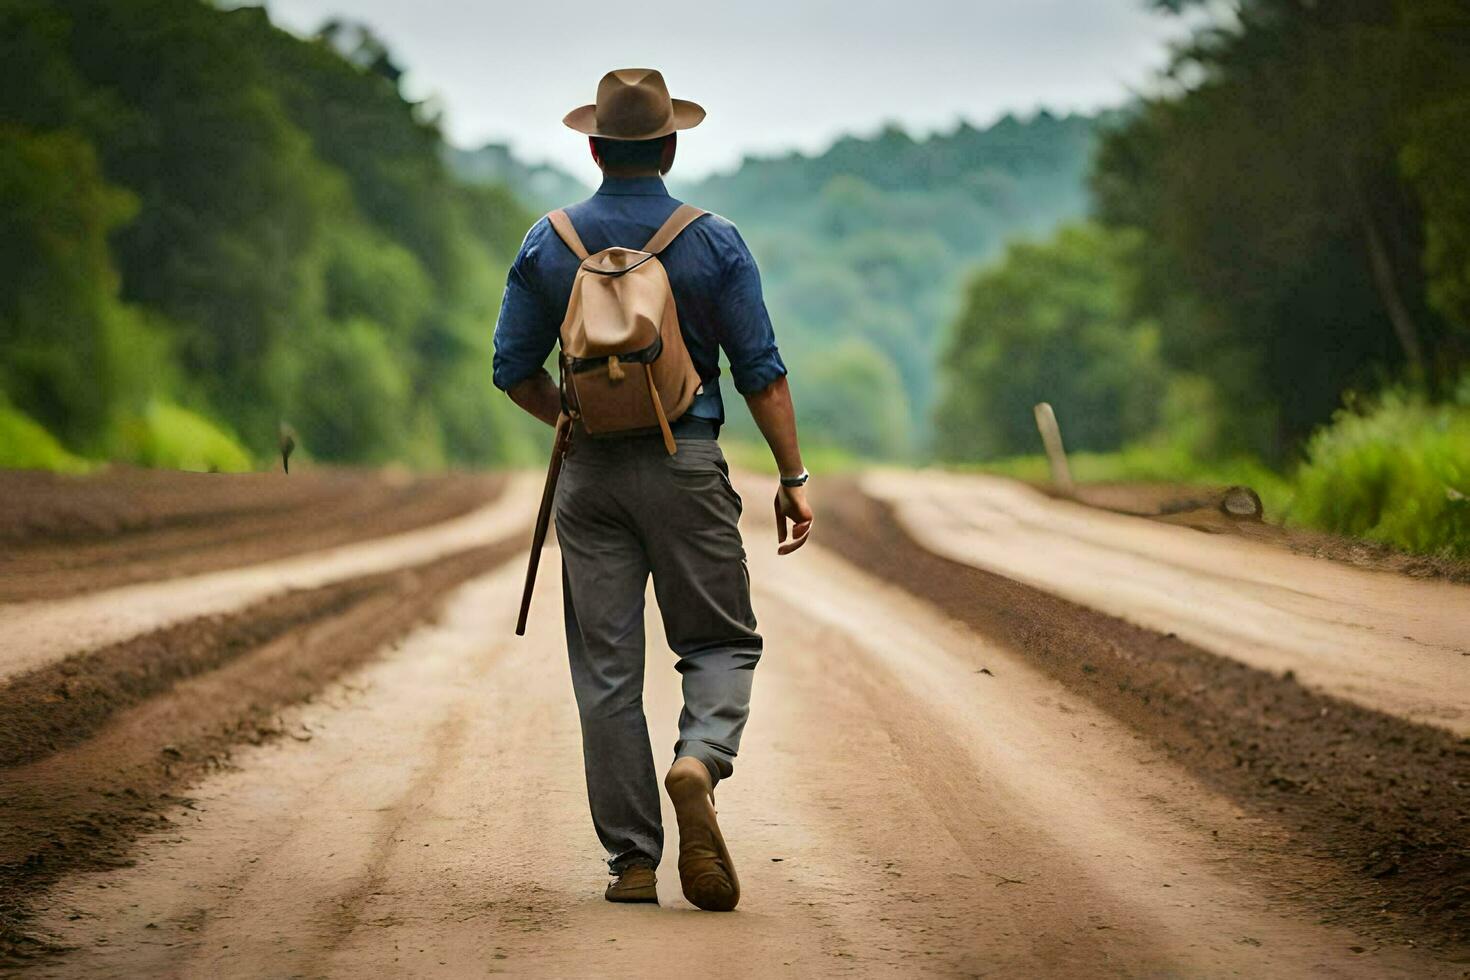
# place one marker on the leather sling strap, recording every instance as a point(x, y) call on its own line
point(658, 411)
point(684, 216)
point(563, 227)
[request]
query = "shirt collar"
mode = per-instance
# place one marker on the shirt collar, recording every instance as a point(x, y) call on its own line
point(633, 187)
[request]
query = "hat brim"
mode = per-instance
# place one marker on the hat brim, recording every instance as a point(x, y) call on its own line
point(686, 115)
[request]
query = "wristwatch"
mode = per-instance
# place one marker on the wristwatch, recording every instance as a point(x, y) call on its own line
point(796, 481)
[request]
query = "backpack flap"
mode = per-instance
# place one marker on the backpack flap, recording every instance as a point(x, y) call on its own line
point(620, 296)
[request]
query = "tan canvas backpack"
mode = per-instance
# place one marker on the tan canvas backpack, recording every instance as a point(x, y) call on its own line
point(624, 365)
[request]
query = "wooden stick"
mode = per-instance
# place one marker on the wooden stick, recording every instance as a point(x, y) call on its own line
point(543, 516)
point(1056, 456)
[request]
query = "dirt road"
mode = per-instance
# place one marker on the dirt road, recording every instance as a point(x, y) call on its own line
point(1385, 641)
point(915, 797)
point(43, 632)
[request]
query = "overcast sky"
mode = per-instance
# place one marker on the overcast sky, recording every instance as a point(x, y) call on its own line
point(773, 74)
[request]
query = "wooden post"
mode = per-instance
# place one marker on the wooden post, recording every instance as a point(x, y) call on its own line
point(1056, 456)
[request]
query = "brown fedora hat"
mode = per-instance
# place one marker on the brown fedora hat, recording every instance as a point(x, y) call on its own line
point(634, 104)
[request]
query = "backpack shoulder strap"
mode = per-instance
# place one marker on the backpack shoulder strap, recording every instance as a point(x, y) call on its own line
point(562, 225)
point(684, 216)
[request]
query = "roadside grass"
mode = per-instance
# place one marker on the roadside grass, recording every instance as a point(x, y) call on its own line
point(162, 435)
point(1398, 474)
point(1145, 463)
point(169, 437)
point(1395, 470)
point(26, 445)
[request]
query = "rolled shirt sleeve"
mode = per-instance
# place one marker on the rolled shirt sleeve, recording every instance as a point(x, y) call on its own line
point(526, 331)
point(745, 330)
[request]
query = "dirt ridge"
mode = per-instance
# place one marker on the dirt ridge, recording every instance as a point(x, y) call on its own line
point(61, 536)
point(124, 729)
point(1385, 803)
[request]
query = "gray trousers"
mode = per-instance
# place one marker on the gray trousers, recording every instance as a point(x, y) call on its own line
point(626, 509)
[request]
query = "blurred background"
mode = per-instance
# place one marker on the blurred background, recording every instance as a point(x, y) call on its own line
point(1228, 241)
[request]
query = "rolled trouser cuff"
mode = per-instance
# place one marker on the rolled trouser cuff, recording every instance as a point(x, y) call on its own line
point(720, 762)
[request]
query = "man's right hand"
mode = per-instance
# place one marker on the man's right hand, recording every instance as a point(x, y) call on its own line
point(791, 505)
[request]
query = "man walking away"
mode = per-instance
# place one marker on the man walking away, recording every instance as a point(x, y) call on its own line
point(645, 489)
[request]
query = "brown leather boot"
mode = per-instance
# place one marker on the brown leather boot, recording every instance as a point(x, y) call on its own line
point(635, 884)
point(705, 870)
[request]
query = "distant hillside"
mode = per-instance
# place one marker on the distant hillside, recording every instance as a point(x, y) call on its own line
point(540, 186)
point(863, 249)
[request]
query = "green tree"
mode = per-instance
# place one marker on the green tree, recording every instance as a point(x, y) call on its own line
point(350, 396)
point(1050, 323)
point(1436, 159)
point(852, 397)
point(62, 327)
point(1285, 247)
point(871, 239)
point(211, 224)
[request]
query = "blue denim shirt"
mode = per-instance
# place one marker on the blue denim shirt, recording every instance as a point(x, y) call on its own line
point(717, 290)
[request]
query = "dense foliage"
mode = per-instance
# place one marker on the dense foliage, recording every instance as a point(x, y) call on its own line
point(1050, 323)
point(1289, 223)
point(863, 249)
point(1302, 196)
point(1396, 471)
point(210, 226)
